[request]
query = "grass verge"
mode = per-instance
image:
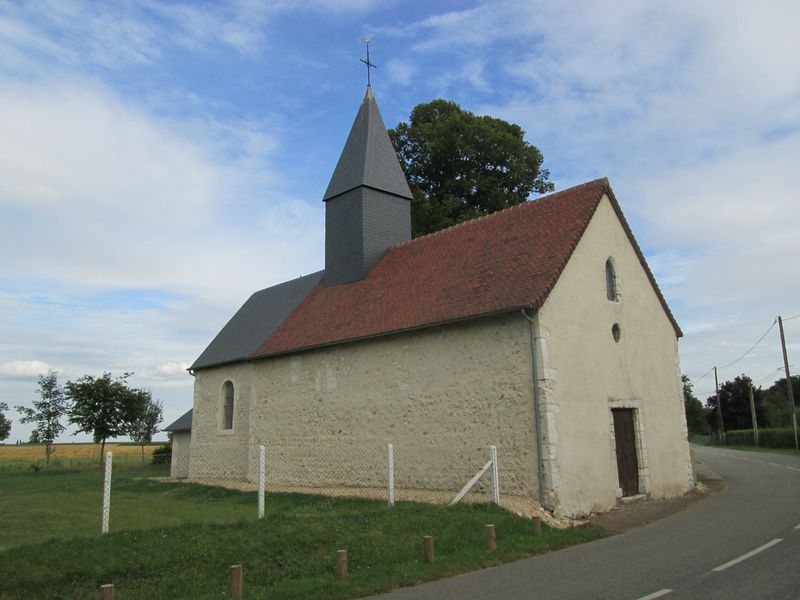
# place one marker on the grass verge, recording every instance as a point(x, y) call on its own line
point(788, 451)
point(172, 540)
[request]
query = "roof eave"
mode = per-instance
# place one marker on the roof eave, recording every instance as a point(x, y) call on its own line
point(439, 323)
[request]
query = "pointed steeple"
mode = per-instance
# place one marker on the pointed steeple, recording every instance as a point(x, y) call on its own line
point(368, 157)
point(367, 203)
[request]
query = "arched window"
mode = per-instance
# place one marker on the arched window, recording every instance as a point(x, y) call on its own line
point(227, 405)
point(611, 281)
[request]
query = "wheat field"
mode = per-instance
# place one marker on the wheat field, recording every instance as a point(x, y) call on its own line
point(36, 451)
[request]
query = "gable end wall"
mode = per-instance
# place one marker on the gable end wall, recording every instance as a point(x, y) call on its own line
point(584, 373)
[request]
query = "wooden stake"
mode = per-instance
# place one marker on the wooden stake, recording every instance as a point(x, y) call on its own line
point(107, 592)
point(428, 548)
point(491, 541)
point(537, 525)
point(341, 564)
point(236, 581)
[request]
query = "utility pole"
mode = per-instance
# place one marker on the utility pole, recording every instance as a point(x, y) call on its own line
point(753, 414)
point(720, 433)
point(788, 381)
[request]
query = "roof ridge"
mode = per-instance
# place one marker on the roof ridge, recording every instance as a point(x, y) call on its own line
point(526, 203)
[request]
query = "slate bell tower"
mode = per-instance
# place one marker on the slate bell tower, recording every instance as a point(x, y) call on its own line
point(367, 203)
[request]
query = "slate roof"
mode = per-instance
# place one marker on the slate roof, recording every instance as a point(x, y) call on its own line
point(256, 320)
point(182, 423)
point(368, 157)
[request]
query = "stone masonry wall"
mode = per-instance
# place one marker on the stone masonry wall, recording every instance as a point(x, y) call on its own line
point(216, 452)
point(179, 467)
point(441, 396)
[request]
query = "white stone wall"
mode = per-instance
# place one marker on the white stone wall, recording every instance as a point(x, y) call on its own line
point(216, 452)
point(441, 396)
point(179, 468)
point(583, 374)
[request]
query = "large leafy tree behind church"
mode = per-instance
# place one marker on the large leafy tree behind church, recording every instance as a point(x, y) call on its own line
point(460, 165)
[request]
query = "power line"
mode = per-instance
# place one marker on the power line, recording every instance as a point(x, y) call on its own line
point(755, 383)
point(790, 318)
point(695, 380)
point(772, 374)
point(746, 353)
point(751, 347)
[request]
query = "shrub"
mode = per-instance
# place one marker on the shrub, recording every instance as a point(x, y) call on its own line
point(162, 455)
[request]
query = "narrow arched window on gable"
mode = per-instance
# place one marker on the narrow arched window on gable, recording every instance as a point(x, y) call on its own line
point(611, 281)
point(227, 405)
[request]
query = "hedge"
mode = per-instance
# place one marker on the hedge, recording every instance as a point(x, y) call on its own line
point(767, 438)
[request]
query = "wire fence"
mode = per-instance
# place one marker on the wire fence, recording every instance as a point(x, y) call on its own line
point(389, 472)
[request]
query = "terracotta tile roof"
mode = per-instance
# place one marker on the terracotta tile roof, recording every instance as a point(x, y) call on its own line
point(498, 263)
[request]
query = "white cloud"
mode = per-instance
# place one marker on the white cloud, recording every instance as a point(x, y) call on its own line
point(172, 368)
point(401, 71)
point(24, 368)
point(120, 199)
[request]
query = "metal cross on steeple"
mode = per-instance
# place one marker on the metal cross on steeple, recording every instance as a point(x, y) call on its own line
point(367, 40)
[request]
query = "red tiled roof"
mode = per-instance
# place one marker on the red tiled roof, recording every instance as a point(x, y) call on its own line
point(504, 261)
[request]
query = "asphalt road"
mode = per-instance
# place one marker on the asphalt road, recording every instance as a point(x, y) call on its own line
point(739, 543)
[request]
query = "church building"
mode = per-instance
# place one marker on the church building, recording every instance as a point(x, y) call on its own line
point(538, 329)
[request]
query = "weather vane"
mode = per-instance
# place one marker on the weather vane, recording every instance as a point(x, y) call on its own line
point(367, 40)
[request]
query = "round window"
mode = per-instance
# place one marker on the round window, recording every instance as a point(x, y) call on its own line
point(615, 332)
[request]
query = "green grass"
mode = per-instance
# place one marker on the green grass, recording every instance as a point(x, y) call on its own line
point(69, 462)
point(789, 451)
point(171, 540)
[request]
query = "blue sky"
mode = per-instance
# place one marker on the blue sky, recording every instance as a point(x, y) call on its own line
point(163, 160)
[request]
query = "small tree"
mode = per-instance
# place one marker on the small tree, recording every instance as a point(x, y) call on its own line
point(46, 413)
point(5, 422)
point(695, 413)
point(105, 407)
point(145, 426)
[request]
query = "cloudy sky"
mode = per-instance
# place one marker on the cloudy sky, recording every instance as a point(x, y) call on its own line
point(160, 161)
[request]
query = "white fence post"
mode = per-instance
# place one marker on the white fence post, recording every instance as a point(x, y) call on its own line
point(495, 477)
point(106, 494)
point(262, 459)
point(390, 474)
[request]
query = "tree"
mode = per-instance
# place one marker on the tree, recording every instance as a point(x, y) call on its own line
point(777, 412)
point(460, 165)
point(145, 426)
point(5, 422)
point(47, 413)
point(696, 421)
point(734, 397)
point(105, 407)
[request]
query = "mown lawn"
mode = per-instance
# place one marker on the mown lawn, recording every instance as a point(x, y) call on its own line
point(171, 540)
point(787, 451)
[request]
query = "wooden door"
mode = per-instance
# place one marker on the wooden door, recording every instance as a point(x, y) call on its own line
point(625, 437)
